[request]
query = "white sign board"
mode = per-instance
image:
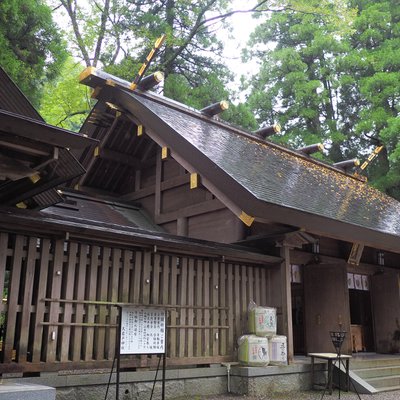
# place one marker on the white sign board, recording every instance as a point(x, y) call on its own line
point(142, 330)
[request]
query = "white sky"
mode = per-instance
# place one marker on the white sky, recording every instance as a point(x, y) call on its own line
point(243, 24)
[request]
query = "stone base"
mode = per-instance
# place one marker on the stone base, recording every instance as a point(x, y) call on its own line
point(255, 381)
point(21, 391)
point(185, 383)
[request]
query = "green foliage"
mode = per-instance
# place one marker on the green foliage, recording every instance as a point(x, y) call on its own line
point(335, 86)
point(189, 58)
point(31, 47)
point(297, 77)
point(65, 102)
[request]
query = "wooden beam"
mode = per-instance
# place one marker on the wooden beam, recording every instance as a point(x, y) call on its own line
point(287, 300)
point(28, 146)
point(182, 226)
point(121, 158)
point(169, 184)
point(157, 200)
point(190, 211)
point(41, 132)
point(92, 160)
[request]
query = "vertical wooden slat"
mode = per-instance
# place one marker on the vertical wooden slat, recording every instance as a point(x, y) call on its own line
point(155, 285)
point(244, 298)
point(91, 286)
point(165, 278)
point(182, 302)
point(13, 298)
point(199, 312)
point(231, 308)
point(190, 302)
point(137, 275)
point(145, 284)
point(126, 268)
point(206, 299)
point(27, 299)
point(3, 259)
point(102, 294)
point(215, 295)
point(40, 305)
point(238, 317)
point(147, 269)
point(68, 283)
point(114, 288)
point(173, 292)
point(54, 307)
point(222, 303)
point(156, 280)
point(258, 285)
point(165, 272)
point(250, 283)
point(264, 283)
point(80, 283)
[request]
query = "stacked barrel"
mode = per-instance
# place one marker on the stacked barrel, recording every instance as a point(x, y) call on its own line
point(262, 346)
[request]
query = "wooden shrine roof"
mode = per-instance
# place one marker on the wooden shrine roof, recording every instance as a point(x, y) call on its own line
point(258, 179)
point(34, 156)
point(13, 100)
point(128, 235)
point(81, 207)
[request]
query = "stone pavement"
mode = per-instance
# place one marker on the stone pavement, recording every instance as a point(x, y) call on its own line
point(309, 395)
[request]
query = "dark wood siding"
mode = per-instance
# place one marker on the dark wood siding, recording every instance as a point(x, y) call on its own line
point(53, 291)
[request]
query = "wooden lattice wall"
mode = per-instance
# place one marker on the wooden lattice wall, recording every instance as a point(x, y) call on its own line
point(206, 301)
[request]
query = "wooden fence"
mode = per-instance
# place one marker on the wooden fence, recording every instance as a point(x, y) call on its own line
point(56, 310)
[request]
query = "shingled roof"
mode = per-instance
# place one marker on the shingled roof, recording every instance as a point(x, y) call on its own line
point(260, 180)
point(13, 100)
point(34, 156)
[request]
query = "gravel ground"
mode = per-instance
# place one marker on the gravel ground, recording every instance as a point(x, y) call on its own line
point(309, 395)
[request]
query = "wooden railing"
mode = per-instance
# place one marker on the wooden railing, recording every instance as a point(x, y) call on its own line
point(58, 311)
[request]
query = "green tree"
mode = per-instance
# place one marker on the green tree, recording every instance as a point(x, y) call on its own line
point(341, 88)
point(373, 63)
point(31, 46)
point(118, 34)
point(65, 102)
point(297, 83)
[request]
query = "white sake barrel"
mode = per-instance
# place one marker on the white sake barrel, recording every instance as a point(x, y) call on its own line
point(253, 351)
point(278, 350)
point(262, 321)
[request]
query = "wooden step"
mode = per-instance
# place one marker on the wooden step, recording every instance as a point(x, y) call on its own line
point(366, 373)
point(384, 381)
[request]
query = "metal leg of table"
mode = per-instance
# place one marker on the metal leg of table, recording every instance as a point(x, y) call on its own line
point(330, 375)
point(312, 373)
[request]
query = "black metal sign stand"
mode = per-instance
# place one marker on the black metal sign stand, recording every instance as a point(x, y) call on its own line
point(118, 358)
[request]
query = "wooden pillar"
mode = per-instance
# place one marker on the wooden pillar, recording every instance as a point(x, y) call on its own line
point(182, 226)
point(287, 300)
point(157, 202)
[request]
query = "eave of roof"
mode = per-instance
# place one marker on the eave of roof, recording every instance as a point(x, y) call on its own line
point(39, 131)
point(15, 220)
point(13, 100)
point(98, 210)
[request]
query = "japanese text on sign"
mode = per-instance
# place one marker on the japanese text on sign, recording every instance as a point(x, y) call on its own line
point(142, 331)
